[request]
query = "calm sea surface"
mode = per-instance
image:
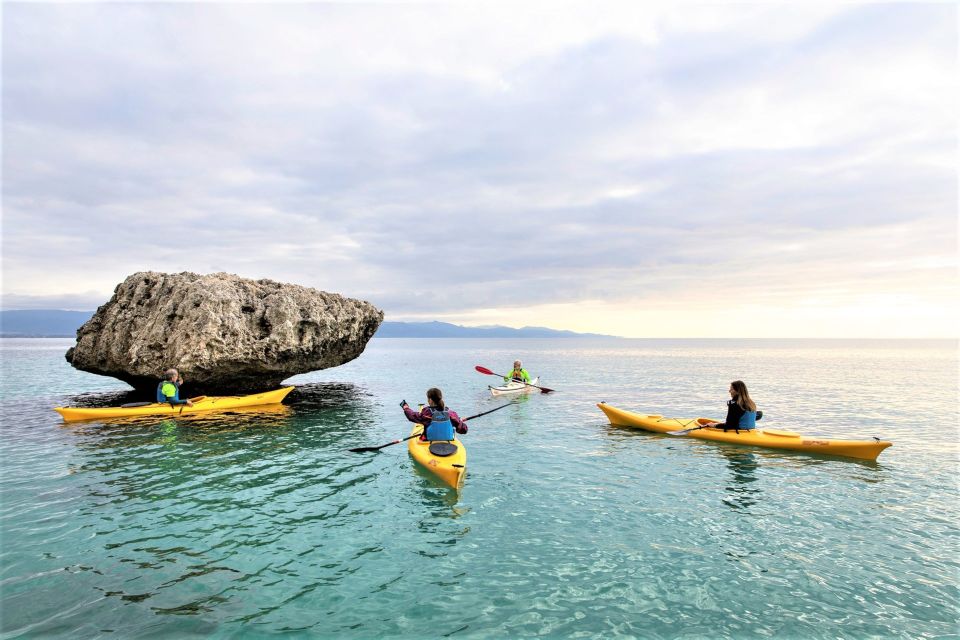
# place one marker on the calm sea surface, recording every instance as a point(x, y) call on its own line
point(260, 523)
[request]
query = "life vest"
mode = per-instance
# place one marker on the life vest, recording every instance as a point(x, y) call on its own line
point(167, 391)
point(523, 376)
point(440, 427)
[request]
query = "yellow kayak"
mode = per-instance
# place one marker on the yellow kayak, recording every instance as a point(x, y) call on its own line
point(200, 404)
point(449, 468)
point(770, 438)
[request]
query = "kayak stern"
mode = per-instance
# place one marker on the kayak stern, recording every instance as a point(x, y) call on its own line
point(450, 469)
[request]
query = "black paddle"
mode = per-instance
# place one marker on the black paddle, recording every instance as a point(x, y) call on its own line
point(685, 431)
point(414, 435)
point(487, 372)
point(702, 426)
point(134, 405)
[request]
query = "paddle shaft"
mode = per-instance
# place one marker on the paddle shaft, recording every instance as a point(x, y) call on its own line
point(134, 405)
point(487, 372)
point(703, 426)
point(486, 412)
point(413, 435)
point(685, 431)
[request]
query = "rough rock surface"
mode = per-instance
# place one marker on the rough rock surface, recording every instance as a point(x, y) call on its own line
point(225, 334)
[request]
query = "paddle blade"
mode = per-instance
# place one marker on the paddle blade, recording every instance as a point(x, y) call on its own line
point(365, 449)
point(484, 370)
point(545, 390)
point(684, 432)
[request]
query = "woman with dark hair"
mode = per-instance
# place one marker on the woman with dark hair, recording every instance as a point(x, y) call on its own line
point(439, 422)
point(741, 410)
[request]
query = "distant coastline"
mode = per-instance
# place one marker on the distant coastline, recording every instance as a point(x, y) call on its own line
point(60, 323)
point(446, 330)
point(42, 323)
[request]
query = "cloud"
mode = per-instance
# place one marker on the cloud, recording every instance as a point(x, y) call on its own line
point(452, 160)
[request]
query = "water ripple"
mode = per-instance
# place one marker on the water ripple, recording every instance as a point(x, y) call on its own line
point(260, 522)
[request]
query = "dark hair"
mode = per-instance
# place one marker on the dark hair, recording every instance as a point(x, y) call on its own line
point(743, 396)
point(437, 396)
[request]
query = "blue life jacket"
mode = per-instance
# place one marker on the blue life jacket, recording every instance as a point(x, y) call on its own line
point(748, 420)
point(440, 427)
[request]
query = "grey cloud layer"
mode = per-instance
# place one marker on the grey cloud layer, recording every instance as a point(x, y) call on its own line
point(409, 157)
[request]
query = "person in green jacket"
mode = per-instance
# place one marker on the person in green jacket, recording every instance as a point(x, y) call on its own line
point(519, 374)
point(169, 389)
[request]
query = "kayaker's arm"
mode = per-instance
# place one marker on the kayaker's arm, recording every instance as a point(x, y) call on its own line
point(734, 413)
point(458, 423)
point(419, 417)
point(424, 417)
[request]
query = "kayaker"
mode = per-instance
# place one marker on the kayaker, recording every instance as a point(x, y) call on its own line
point(439, 422)
point(519, 374)
point(741, 410)
point(169, 389)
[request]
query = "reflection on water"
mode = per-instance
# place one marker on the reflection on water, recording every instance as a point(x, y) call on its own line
point(317, 415)
point(436, 492)
point(230, 419)
point(213, 457)
point(742, 492)
point(166, 501)
point(326, 395)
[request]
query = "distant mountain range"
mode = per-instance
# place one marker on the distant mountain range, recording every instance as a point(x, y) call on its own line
point(57, 323)
point(447, 330)
point(42, 323)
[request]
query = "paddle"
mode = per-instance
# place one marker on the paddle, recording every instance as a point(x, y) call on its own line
point(134, 405)
point(686, 431)
point(414, 435)
point(486, 371)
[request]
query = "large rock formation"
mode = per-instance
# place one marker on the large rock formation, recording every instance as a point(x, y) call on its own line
point(224, 333)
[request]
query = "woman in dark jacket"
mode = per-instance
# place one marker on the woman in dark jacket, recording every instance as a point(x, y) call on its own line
point(741, 410)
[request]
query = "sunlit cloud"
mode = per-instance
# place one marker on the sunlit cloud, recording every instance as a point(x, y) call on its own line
point(698, 170)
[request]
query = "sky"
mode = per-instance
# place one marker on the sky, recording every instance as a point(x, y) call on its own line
point(690, 170)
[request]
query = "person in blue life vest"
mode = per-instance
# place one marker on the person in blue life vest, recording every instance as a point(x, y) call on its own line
point(741, 410)
point(438, 420)
point(169, 389)
point(519, 374)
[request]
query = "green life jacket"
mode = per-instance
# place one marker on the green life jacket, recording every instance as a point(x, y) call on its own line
point(523, 373)
point(167, 391)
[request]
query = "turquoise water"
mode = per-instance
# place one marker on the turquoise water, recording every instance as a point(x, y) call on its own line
point(258, 523)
